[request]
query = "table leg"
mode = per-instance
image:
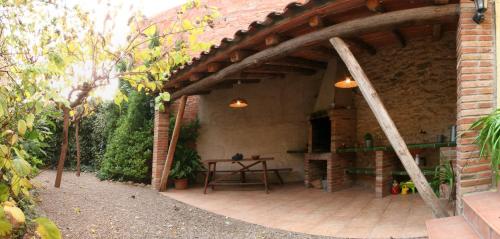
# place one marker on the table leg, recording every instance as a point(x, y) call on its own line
point(207, 176)
point(264, 165)
point(213, 176)
point(243, 177)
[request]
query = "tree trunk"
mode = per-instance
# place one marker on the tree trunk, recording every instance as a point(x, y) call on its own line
point(64, 148)
point(77, 139)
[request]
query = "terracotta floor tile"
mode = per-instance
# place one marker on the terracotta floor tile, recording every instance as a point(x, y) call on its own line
point(351, 213)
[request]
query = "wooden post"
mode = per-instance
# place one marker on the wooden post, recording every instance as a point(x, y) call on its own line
point(173, 144)
point(388, 127)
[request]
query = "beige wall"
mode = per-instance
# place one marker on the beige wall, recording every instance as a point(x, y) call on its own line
point(275, 121)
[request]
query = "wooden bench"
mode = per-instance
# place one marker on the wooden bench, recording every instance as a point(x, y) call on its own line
point(242, 175)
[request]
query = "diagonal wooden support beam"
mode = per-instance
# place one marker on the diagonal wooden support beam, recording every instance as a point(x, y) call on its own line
point(173, 144)
point(388, 127)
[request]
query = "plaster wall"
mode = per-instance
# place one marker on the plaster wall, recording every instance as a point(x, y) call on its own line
point(275, 121)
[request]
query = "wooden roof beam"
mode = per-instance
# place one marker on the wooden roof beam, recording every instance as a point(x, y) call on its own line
point(316, 22)
point(215, 66)
point(360, 43)
point(400, 37)
point(441, 2)
point(197, 76)
point(248, 75)
point(378, 22)
point(298, 62)
point(280, 69)
point(375, 6)
point(437, 31)
point(239, 55)
point(273, 40)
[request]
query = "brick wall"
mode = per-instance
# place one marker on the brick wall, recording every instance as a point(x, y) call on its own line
point(476, 95)
point(417, 85)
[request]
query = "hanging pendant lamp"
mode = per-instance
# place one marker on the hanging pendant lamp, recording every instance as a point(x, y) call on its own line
point(238, 102)
point(346, 83)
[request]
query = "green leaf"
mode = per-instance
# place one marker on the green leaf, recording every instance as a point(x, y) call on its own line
point(21, 127)
point(21, 167)
point(47, 229)
point(150, 31)
point(5, 227)
point(29, 120)
point(4, 192)
point(4, 150)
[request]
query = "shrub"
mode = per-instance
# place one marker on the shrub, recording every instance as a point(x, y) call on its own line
point(129, 151)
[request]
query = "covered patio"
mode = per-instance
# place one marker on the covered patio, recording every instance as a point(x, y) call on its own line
point(350, 213)
point(288, 71)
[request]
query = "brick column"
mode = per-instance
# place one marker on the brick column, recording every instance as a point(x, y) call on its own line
point(476, 95)
point(343, 126)
point(160, 145)
point(383, 174)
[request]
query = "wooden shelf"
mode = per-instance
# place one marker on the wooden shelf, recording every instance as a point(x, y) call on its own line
point(389, 148)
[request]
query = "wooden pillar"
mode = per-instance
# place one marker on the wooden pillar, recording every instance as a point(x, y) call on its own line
point(388, 127)
point(173, 144)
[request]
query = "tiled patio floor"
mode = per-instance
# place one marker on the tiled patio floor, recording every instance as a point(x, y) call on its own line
point(351, 213)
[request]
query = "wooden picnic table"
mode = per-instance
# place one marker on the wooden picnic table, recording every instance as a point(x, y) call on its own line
point(210, 179)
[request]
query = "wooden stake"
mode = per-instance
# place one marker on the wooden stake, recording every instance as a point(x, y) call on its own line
point(388, 127)
point(173, 144)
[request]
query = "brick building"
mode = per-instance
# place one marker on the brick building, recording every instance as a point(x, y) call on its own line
point(432, 71)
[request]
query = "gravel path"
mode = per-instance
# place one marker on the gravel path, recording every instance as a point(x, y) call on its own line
point(85, 207)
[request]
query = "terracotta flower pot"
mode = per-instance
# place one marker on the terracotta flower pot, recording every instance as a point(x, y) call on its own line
point(181, 184)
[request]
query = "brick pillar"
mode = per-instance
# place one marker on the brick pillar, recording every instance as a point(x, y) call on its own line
point(383, 174)
point(160, 145)
point(476, 95)
point(343, 126)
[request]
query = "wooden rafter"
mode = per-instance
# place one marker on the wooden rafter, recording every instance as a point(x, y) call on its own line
point(389, 128)
point(399, 37)
point(316, 22)
point(248, 75)
point(197, 76)
point(173, 144)
point(273, 39)
point(280, 69)
point(437, 31)
point(298, 62)
point(239, 55)
point(360, 43)
point(215, 66)
point(375, 6)
point(440, 2)
point(378, 22)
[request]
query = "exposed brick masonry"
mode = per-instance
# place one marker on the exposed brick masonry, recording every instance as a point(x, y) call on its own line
point(476, 89)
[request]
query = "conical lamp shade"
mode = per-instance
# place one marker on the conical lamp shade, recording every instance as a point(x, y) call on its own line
point(238, 103)
point(347, 83)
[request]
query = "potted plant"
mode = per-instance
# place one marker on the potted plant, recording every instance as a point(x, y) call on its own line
point(368, 140)
point(444, 180)
point(488, 139)
point(185, 166)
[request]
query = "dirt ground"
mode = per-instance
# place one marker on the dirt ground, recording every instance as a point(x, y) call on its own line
point(85, 207)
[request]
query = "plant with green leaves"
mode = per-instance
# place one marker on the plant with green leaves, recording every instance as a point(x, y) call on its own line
point(488, 139)
point(443, 174)
point(25, 110)
point(186, 163)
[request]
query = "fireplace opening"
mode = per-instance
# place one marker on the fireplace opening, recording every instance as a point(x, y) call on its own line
point(321, 134)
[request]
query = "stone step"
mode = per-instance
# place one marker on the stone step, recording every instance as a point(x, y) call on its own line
point(450, 228)
point(482, 212)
